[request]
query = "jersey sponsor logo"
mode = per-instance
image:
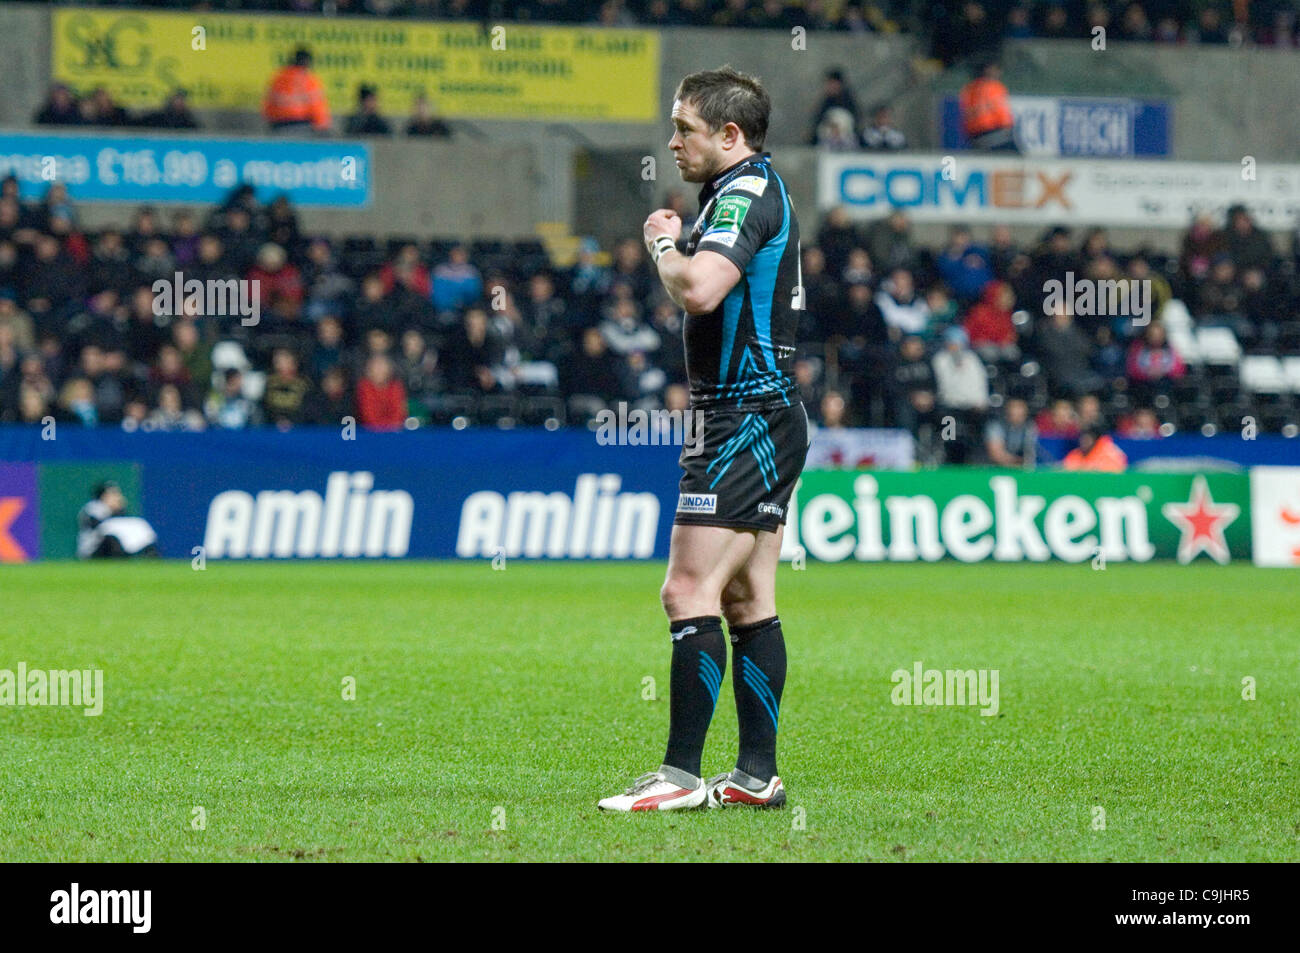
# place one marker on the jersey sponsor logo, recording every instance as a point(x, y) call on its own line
point(720, 236)
point(771, 509)
point(747, 183)
point(697, 503)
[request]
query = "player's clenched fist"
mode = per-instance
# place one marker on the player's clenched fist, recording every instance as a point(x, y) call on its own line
point(661, 231)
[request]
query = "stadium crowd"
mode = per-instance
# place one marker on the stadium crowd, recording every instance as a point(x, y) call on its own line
point(955, 27)
point(97, 108)
point(896, 334)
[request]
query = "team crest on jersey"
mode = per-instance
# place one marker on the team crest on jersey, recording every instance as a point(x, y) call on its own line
point(746, 183)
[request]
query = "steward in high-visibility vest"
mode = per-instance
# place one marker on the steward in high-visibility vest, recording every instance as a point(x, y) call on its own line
point(296, 97)
point(986, 116)
point(1096, 452)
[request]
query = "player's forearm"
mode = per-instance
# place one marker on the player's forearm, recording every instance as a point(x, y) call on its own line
point(687, 282)
point(675, 273)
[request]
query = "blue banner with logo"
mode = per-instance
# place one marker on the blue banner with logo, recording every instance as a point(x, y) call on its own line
point(432, 494)
point(150, 168)
point(1078, 127)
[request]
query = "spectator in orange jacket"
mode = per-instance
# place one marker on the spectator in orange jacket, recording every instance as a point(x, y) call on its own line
point(986, 116)
point(381, 398)
point(296, 97)
point(1096, 452)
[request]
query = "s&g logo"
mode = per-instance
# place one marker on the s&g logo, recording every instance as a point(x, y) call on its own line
point(120, 43)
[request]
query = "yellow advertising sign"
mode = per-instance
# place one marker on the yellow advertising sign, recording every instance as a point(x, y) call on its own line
point(226, 61)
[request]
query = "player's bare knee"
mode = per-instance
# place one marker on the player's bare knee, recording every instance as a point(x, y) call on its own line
point(685, 597)
point(676, 591)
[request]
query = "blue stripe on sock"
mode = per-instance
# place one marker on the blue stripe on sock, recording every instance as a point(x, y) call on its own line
point(710, 675)
point(753, 676)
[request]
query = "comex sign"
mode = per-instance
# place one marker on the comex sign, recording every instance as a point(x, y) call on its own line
point(981, 187)
point(954, 185)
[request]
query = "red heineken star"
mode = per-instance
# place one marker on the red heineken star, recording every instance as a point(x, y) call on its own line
point(1202, 522)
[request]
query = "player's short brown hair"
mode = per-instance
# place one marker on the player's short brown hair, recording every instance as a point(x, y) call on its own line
point(727, 95)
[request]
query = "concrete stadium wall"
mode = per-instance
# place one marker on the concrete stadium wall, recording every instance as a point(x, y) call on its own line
point(24, 61)
point(421, 189)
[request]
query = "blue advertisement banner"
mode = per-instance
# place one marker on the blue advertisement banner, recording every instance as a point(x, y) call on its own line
point(148, 168)
point(431, 494)
point(1077, 127)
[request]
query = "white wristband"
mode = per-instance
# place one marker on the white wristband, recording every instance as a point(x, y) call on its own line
point(662, 244)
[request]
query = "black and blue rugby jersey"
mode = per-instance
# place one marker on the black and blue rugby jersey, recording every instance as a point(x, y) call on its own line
point(741, 353)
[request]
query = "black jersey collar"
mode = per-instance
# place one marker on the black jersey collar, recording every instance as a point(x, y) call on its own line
point(711, 188)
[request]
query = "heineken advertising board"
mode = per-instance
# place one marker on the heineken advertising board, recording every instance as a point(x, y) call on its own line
point(1011, 516)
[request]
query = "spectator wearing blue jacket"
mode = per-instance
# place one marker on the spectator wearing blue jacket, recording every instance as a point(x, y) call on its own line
point(456, 282)
point(965, 266)
point(589, 282)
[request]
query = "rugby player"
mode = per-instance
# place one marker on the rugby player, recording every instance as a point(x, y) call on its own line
point(739, 283)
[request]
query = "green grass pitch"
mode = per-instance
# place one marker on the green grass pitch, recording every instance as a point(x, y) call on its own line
point(493, 708)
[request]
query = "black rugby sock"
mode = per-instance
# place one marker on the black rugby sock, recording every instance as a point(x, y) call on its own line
point(699, 662)
point(758, 677)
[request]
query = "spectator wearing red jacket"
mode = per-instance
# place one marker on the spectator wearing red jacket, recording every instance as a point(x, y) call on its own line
point(74, 243)
point(409, 271)
point(381, 398)
point(989, 326)
point(277, 278)
point(1153, 366)
point(1059, 422)
point(1142, 424)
